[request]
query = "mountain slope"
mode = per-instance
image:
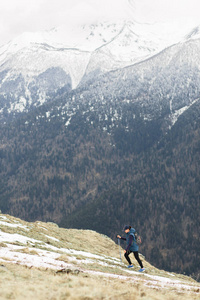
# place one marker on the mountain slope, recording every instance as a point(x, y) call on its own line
point(36, 66)
point(159, 195)
point(154, 85)
point(39, 253)
point(69, 169)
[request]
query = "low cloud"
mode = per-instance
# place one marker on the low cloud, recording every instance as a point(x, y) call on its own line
point(19, 16)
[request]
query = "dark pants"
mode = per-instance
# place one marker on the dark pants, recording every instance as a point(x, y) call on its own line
point(136, 257)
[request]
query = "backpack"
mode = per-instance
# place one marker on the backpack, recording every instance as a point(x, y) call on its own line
point(137, 238)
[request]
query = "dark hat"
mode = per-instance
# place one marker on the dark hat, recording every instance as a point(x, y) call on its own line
point(126, 227)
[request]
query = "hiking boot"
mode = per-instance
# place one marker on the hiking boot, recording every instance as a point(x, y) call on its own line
point(142, 270)
point(130, 266)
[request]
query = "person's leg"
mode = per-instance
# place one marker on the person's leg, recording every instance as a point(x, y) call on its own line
point(138, 259)
point(126, 255)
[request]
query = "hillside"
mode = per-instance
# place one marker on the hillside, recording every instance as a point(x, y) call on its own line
point(80, 264)
point(159, 195)
point(87, 166)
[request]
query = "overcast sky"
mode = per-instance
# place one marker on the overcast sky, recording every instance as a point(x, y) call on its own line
point(18, 16)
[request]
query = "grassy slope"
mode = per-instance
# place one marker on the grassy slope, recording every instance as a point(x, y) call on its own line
point(84, 276)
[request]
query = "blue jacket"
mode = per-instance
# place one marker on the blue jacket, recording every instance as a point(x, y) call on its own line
point(133, 247)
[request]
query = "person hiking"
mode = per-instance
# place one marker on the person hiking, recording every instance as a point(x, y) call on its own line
point(131, 247)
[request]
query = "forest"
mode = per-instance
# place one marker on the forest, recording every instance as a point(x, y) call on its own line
point(84, 176)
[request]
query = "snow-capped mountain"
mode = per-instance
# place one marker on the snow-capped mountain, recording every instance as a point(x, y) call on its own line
point(162, 86)
point(35, 66)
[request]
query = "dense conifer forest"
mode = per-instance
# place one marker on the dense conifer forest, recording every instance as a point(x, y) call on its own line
point(84, 176)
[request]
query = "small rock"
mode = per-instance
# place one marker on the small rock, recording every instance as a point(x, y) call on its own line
point(69, 271)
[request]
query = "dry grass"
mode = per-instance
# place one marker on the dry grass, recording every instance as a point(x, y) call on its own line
point(64, 258)
point(27, 251)
point(18, 282)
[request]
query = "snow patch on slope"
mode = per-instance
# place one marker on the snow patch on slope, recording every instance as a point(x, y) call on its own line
point(43, 255)
point(175, 115)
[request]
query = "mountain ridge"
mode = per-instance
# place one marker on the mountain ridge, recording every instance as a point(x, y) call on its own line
point(20, 74)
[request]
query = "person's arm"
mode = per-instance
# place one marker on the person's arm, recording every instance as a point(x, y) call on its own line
point(130, 242)
point(120, 237)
